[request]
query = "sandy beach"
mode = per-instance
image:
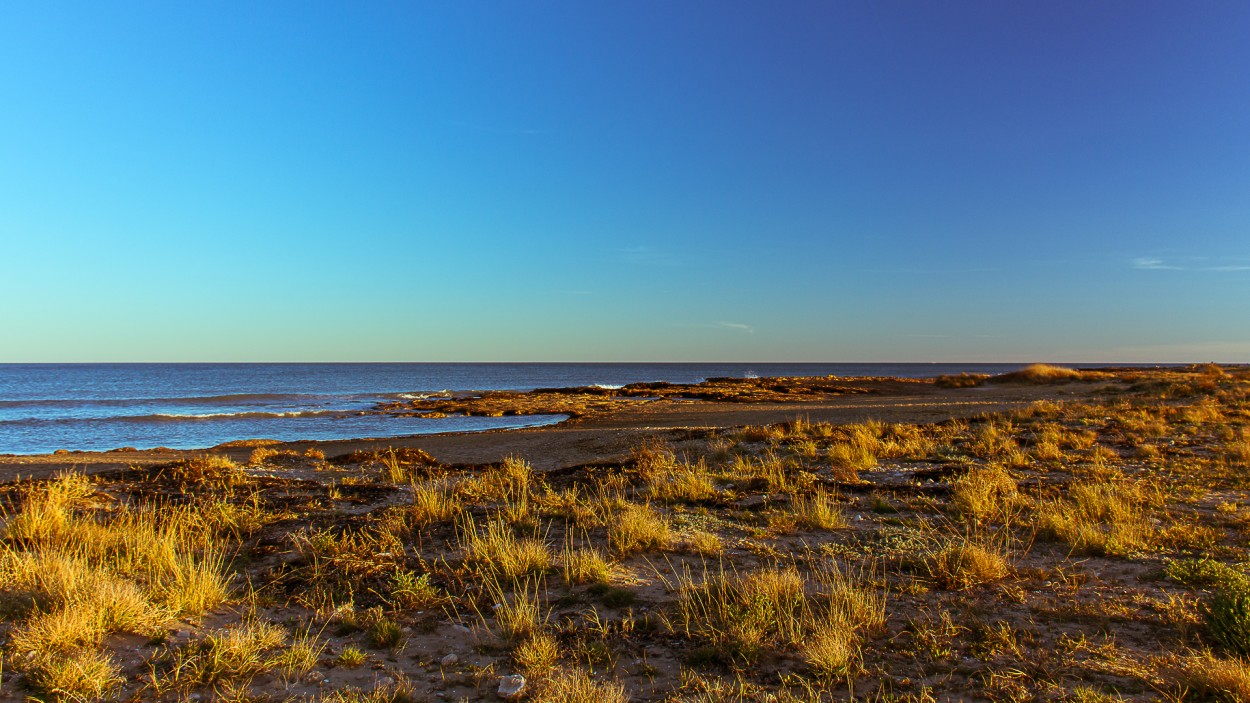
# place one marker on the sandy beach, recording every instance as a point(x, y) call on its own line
point(1075, 532)
point(608, 436)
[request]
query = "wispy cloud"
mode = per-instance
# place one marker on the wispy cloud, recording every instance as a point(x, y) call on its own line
point(728, 326)
point(1192, 263)
point(1149, 263)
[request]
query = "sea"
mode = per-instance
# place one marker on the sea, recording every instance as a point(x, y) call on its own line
point(97, 407)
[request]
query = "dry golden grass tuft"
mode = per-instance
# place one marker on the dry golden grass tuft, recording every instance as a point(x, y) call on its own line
point(520, 613)
point(228, 658)
point(82, 569)
point(1100, 517)
point(264, 455)
point(1202, 676)
point(1042, 373)
point(963, 380)
point(769, 472)
point(351, 656)
point(300, 656)
point(537, 655)
point(1205, 411)
point(1237, 449)
point(653, 459)
point(433, 502)
point(587, 565)
point(818, 511)
point(830, 649)
point(994, 440)
point(509, 482)
point(858, 451)
point(495, 547)
point(339, 560)
point(79, 675)
point(577, 686)
point(740, 615)
point(210, 471)
point(984, 493)
point(639, 528)
point(961, 563)
point(679, 481)
point(702, 542)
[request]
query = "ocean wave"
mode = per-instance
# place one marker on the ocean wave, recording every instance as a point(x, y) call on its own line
point(608, 386)
point(423, 396)
point(178, 417)
point(228, 399)
point(245, 415)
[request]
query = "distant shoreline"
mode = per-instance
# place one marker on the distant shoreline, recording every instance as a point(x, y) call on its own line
point(611, 431)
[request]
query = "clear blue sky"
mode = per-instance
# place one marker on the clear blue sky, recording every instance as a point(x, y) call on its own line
point(840, 181)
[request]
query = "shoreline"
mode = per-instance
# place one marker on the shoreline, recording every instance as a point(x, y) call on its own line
point(610, 429)
point(968, 514)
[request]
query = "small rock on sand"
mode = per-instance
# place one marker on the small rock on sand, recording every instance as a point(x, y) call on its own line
point(511, 687)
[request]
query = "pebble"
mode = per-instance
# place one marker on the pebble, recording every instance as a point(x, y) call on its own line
point(511, 687)
point(449, 660)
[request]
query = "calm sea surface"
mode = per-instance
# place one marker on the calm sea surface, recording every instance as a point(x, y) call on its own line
point(45, 407)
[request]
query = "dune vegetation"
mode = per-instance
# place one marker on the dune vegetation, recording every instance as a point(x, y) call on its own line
point(1083, 550)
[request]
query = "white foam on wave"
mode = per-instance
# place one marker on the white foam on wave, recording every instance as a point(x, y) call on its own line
point(424, 396)
point(245, 415)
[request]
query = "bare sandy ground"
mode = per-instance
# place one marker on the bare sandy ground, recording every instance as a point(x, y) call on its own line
point(610, 437)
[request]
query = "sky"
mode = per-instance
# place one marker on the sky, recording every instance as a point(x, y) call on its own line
point(641, 181)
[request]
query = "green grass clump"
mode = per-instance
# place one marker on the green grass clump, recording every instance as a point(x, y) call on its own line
point(1204, 572)
point(385, 633)
point(1227, 616)
point(234, 654)
point(411, 591)
point(351, 657)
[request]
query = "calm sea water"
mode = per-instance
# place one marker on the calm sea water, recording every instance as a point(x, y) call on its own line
point(45, 407)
